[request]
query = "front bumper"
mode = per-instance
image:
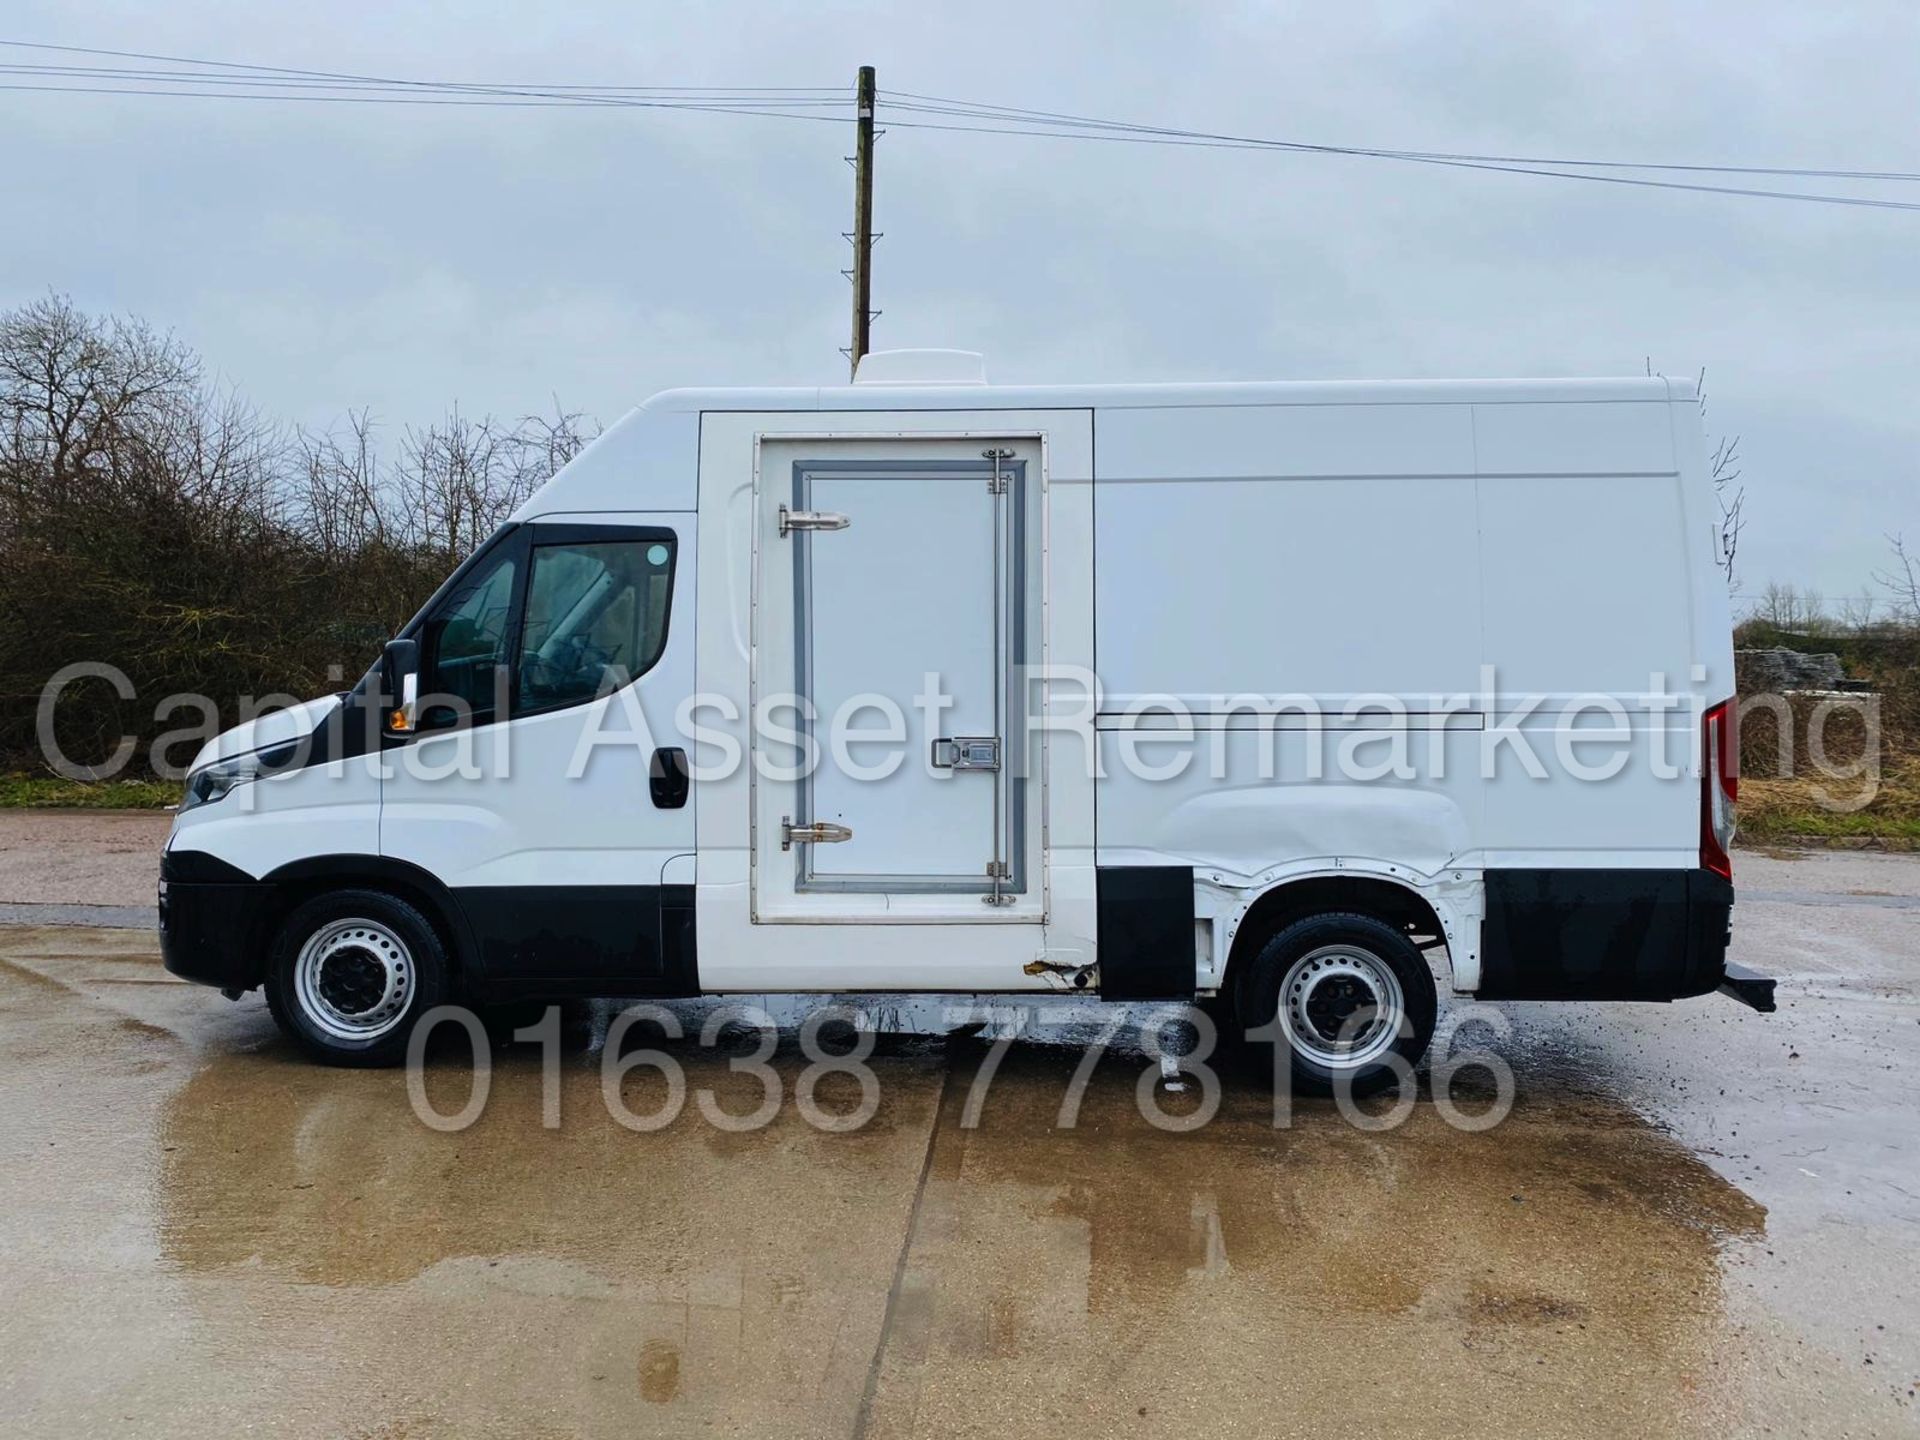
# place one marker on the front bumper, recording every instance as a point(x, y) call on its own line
point(213, 921)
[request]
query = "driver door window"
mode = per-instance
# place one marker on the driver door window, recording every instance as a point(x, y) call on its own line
point(596, 619)
point(470, 640)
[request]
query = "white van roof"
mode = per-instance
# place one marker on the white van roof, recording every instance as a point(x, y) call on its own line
point(645, 460)
point(893, 395)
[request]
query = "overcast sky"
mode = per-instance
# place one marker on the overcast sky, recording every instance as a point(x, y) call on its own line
point(323, 257)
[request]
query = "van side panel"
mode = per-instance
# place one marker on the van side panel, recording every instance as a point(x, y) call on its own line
point(1282, 549)
point(1585, 584)
point(1518, 576)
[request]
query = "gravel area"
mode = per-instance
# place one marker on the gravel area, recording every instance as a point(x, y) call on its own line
point(80, 857)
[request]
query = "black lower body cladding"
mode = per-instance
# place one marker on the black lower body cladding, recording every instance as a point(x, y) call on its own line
point(565, 940)
point(212, 915)
point(548, 942)
point(1604, 934)
point(1145, 918)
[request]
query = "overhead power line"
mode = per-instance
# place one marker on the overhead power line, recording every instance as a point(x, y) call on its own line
point(934, 104)
point(477, 101)
point(1117, 132)
point(266, 70)
point(189, 77)
point(295, 84)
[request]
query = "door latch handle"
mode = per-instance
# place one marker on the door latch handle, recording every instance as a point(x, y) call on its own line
point(667, 778)
point(791, 520)
point(818, 833)
point(967, 752)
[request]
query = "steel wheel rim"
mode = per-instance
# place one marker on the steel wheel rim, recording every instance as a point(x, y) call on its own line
point(354, 979)
point(1341, 1006)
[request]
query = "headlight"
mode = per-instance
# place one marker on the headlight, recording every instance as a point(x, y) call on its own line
point(213, 782)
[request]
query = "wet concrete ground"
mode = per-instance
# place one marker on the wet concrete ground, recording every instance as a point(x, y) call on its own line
point(1696, 1220)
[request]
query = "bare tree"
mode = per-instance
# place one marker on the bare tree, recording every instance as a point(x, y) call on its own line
point(462, 478)
point(1901, 581)
point(141, 520)
point(159, 524)
point(1724, 468)
point(340, 502)
point(1796, 611)
point(550, 441)
point(1857, 613)
point(82, 397)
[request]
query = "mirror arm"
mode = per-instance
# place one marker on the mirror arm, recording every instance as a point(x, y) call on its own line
point(400, 682)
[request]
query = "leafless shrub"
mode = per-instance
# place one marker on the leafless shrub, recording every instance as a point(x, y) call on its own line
point(1901, 581)
point(462, 478)
point(156, 523)
point(1793, 610)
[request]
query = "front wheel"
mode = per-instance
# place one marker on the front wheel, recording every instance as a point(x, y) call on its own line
point(1344, 993)
point(350, 972)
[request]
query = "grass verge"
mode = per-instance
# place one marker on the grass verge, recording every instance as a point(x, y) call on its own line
point(20, 792)
point(1777, 810)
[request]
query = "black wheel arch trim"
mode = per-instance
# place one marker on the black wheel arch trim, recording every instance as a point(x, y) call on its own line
point(218, 925)
point(196, 867)
point(385, 872)
point(1390, 899)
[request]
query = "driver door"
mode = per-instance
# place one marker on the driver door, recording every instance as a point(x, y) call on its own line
point(546, 786)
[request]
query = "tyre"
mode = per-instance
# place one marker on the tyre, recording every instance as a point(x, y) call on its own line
point(349, 973)
point(1344, 993)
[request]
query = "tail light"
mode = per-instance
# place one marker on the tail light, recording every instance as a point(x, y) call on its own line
point(1719, 786)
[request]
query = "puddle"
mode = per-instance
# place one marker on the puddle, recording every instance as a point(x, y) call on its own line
point(1572, 1249)
point(1107, 1274)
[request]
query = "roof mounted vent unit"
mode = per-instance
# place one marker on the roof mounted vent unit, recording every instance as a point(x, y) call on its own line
point(921, 367)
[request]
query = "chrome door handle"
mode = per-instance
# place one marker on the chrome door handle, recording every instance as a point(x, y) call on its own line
point(818, 833)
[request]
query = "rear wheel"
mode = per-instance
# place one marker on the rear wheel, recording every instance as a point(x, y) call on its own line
point(350, 972)
point(1344, 993)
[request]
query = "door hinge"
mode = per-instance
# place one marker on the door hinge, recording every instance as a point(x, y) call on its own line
point(818, 833)
point(997, 482)
point(791, 520)
point(999, 870)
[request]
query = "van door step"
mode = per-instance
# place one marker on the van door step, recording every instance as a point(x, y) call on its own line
point(1749, 987)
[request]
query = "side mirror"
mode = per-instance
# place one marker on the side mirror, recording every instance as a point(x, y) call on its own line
point(400, 682)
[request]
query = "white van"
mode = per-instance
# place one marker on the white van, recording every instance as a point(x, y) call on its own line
point(1249, 694)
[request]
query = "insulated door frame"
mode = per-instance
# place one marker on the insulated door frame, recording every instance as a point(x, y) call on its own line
point(765, 906)
point(1010, 652)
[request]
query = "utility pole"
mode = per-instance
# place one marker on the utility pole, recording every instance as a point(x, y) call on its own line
point(862, 236)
